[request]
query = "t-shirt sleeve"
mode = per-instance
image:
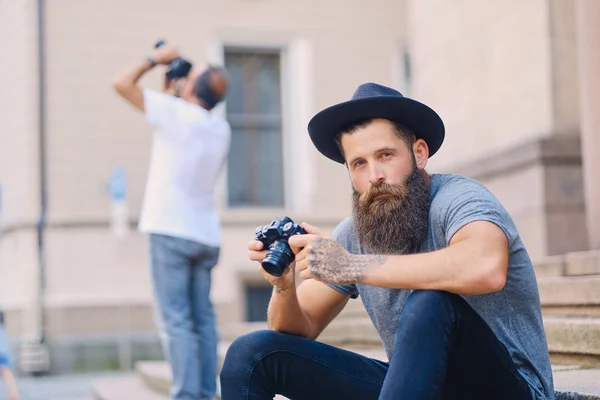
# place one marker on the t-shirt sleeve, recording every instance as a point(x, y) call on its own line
point(468, 201)
point(342, 235)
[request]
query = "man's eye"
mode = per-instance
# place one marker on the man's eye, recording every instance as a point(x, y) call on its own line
point(359, 163)
point(387, 154)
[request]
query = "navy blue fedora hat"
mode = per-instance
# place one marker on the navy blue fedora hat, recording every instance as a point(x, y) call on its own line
point(371, 100)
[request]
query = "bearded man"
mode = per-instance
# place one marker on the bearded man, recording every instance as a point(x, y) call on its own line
point(436, 260)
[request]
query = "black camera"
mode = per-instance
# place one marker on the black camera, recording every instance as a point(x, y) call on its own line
point(179, 68)
point(274, 237)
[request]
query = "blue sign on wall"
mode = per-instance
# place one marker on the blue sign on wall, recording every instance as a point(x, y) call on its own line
point(118, 184)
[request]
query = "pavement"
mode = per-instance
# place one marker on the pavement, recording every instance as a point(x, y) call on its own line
point(64, 387)
point(79, 387)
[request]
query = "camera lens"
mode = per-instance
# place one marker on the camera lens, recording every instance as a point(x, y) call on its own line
point(278, 258)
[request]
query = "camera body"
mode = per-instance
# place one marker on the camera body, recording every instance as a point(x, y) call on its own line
point(274, 238)
point(179, 68)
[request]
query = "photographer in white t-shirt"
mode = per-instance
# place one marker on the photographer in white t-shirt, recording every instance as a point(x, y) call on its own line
point(190, 147)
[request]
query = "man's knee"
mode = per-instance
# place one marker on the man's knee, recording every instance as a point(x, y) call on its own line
point(422, 303)
point(247, 350)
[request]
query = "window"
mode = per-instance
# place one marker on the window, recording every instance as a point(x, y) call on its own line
point(255, 165)
point(257, 302)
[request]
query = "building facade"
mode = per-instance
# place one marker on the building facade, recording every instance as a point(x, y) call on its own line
point(506, 79)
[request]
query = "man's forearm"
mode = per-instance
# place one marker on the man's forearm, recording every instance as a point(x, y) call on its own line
point(475, 262)
point(286, 315)
point(132, 75)
point(457, 269)
point(126, 84)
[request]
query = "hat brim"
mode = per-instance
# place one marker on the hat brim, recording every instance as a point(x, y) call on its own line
point(421, 119)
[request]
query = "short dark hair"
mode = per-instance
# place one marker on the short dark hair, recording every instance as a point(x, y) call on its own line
point(203, 87)
point(402, 131)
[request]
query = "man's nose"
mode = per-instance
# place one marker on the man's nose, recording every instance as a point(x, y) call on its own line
point(377, 176)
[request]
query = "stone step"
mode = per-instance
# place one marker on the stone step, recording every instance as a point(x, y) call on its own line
point(125, 388)
point(356, 331)
point(577, 384)
point(571, 382)
point(570, 264)
point(155, 374)
point(570, 291)
point(575, 336)
point(570, 339)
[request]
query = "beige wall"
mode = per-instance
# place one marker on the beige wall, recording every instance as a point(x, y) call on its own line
point(18, 116)
point(503, 75)
point(485, 67)
point(326, 53)
point(500, 75)
point(19, 166)
point(91, 130)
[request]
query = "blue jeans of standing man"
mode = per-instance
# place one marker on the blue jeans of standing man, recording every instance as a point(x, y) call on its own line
point(181, 279)
point(443, 350)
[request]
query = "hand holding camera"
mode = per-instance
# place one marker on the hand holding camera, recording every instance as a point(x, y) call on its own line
point(168, 54)
point(270, 247)
point(278, 246)
point(165, 54)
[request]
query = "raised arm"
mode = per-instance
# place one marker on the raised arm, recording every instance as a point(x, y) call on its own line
point(126, 83)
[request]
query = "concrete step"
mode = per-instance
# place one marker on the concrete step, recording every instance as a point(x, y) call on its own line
point(571, 339)
point(570, 291)
point(577, 384)
point(571, 382)
point(570, 295)
point(155, 374)
point(125, 388)
point(575, 338)
point(570, 264)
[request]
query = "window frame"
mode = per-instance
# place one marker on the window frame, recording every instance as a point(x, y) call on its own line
point(296, 110)
point(263, 118)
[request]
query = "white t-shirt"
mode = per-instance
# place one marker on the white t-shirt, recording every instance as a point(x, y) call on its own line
point(189, 149)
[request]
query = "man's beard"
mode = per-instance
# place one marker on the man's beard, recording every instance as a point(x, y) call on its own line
point(397, 223)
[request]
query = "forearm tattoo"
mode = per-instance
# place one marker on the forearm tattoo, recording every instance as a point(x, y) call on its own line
point(330, 262)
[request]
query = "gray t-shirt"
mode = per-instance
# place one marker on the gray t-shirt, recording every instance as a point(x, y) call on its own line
point(514, 313)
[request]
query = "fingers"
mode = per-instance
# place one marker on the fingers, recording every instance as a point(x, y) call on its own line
point(255, 245)
point(316, 231)
point(312, 229)
point(306, 274)
point(297, 242)
point(303, 254)
point(257, 255)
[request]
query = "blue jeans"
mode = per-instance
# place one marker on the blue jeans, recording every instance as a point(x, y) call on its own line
point(4, 348)
point(181, 278)
point(443, 350)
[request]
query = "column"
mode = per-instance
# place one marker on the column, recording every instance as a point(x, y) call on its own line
point(588, 46)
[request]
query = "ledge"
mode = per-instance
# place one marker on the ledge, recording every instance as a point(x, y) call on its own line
point(554, 150)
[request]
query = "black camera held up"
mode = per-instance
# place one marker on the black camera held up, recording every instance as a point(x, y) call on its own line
point(274, 238)
point(179, 68)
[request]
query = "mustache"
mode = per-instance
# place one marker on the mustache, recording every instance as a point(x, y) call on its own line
point(394, 191)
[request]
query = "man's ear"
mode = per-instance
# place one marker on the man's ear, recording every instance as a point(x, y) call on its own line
point(421, 152)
